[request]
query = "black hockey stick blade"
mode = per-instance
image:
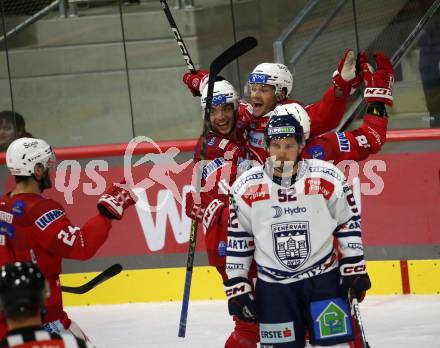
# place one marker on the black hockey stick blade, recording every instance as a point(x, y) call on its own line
point(217, 65)
point(178, 36)
point(93, 283)
point(228, 56)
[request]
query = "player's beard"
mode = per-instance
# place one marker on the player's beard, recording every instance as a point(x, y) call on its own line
point(282, 169)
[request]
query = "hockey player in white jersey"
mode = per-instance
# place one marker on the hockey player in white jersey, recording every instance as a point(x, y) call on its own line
point(285, 215)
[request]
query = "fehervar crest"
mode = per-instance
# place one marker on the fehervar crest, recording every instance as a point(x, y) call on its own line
point(291, 243)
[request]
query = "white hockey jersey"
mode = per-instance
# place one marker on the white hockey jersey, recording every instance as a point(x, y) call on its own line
point(290, 230)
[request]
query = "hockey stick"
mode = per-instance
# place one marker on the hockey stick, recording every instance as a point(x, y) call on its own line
point(358, 105)
point(93, 283)
point(357, 314)
point(178, 37)
point(228, 56)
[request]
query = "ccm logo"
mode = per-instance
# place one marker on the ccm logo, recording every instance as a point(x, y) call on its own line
point(354, 269)
point(235, 291)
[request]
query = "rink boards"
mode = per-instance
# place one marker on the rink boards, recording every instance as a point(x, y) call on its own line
point(166, 284)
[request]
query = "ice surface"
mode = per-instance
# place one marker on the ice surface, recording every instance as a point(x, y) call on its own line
point(407, 321)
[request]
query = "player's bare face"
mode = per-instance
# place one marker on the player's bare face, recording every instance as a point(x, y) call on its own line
point(7, 133)
point(263, 99)
point(284, 154)
point(222, 119)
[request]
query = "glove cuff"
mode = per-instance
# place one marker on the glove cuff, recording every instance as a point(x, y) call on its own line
point(237, 286)
point(211, 212)
point(352, 266)
point(383, 95)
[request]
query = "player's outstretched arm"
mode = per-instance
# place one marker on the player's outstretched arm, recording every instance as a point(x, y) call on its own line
point(326, 114)
point(60, 237)
point(369, 138)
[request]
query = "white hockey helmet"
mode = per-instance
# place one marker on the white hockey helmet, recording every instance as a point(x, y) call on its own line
point(223, 93)
point(274, 74)
point(297, 111)
point(23, 154)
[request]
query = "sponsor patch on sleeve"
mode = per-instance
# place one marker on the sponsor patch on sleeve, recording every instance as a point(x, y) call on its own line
point(47, 218)
point(317, 152)
point(344, 143)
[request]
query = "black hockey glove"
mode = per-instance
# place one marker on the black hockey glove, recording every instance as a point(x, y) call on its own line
point(355, 278)
point(241, 302)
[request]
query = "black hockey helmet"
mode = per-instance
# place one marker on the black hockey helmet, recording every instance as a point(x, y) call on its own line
point(282, 126)
point(23, 289)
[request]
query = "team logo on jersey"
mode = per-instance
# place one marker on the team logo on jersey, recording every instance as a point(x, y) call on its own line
point(211, 141)
point(344, 143)
point(316, 152)
point(255, 193)
point(291, 243)
point(18, 208)
point(47, 218)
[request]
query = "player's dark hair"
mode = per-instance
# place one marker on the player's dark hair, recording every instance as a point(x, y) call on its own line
point(14, 118)
point(21, 178)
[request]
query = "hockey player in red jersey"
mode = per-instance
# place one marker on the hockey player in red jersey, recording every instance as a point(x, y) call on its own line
point(225, 150)
point(271, 84)
point(368, 139)
point(359, 143)
point(34, 228)
point(23, 294)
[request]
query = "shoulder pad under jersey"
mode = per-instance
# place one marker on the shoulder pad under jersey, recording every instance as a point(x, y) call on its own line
point(252, 176)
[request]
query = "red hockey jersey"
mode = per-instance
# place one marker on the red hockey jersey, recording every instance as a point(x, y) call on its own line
point(324, 115)
point(34, 228)
point(222, 157)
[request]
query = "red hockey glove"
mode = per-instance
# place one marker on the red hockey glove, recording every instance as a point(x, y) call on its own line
point(203, 207)
point(379, 84)
point(348, 77)
point(241, 302)
point(193, 81)
point(115, 200)
point(354, 276)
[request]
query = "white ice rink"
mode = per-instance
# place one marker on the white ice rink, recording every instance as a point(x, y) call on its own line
point(411, 321)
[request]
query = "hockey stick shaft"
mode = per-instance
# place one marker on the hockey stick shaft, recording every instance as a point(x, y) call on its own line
point(94, 282)
point(357, 313)
point(228, 56)
point(178, 36)
point(358, 105)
